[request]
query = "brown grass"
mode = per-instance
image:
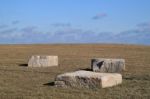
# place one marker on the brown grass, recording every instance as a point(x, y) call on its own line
point(21, 82)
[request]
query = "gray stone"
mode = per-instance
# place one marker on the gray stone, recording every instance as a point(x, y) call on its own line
point(88, 79)
point(43, 61)
point(108, 65)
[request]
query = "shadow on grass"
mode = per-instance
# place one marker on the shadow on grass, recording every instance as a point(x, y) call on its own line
point(128, 78)
point(23, 65)
point(49, 84)
point(87, 69)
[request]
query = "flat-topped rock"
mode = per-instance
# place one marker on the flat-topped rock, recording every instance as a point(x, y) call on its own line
point(104, 65)
point(88, 79)
point(43, 61)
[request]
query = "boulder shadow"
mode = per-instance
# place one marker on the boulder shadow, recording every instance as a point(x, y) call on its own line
point(87, 69)
point(128, 78)
point(23, 65)
point(49, 84)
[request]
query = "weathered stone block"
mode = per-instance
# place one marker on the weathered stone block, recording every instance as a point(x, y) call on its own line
point(43, 61)
point(108, 65)
point(88, 79)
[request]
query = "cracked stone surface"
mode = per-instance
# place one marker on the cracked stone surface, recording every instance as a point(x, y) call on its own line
point(88, 79)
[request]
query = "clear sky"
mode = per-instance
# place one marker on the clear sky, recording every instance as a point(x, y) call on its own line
point(75, 21)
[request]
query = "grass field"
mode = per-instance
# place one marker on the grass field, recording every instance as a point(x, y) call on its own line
point(20, 82)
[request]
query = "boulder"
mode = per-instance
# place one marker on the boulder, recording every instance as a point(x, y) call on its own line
point(43, 61)
point(108, 65)
point(88, 79)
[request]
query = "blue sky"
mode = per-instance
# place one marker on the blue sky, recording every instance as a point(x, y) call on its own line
point(75, 21)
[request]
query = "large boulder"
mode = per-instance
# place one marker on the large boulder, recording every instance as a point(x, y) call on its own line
point(108, 65)
point(88, 79)
point(43, 61)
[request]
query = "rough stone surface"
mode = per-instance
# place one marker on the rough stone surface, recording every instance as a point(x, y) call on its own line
point(43, 61)
point(108, 65)
point(88, 79)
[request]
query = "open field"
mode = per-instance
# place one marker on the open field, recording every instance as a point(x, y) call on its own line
point(21, 82)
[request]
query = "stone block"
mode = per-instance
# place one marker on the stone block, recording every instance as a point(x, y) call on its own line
point(43, 61)
point(88, 79)
point(108, 65)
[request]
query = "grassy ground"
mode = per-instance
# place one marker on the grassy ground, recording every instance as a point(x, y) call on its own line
point(20, 82)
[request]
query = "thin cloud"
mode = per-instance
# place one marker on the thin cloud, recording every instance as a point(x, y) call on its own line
point(145, 24)
point(61, 24)
point(31, 34)
point(3, 26)
point(15, 22)
point(99, 16)
point(8, 31)
point(144, 27)
point(29, 29)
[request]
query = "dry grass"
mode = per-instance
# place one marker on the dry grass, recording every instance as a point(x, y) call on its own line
point(18, 81)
